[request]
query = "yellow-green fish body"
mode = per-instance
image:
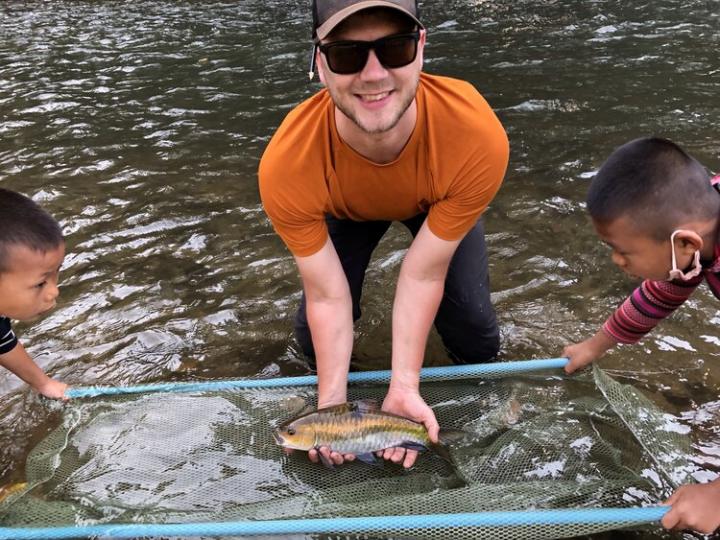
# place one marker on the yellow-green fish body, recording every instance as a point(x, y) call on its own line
point(359, 428)
point(7, 491)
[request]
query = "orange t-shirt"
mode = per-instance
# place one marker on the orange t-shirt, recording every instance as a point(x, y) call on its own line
point(451, 168)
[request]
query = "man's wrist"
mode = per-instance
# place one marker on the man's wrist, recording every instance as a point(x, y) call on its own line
point(334, 398)
point(405, 384)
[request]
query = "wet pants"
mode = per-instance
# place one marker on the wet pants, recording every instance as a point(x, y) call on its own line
point(465, 319)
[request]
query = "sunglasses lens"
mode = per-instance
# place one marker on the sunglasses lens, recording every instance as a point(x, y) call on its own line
point(347, 58)
point(397, 52)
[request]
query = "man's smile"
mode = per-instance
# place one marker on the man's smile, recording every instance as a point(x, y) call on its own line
point(373, 97)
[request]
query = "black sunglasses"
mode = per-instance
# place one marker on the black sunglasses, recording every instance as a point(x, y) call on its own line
point(395, 51)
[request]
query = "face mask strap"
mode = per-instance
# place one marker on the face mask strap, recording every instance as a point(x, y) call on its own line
point(672, 250)
point(676, 273)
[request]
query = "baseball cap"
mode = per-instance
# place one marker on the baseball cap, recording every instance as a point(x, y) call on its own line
point(327, 14)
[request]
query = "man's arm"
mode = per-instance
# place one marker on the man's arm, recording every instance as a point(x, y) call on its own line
point(19, 362)
point(417, 298)
point(329, 313)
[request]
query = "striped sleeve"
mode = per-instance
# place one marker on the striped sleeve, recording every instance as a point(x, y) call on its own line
point(649, 304)
point(7, 336)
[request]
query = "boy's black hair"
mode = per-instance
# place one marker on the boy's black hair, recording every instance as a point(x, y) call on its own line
point(24, 223)
point(656, 184)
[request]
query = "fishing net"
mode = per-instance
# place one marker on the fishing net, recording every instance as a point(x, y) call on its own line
point(535, 441)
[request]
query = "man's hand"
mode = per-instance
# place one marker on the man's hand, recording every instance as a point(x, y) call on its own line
point(408, 403)
point(694, 507)
point(53, 389)
point(324, 453)
point(586, 352)
point(328, 456)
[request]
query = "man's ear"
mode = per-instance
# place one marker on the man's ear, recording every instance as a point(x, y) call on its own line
point(421, 46)
point(688, 242)
point(320, 65)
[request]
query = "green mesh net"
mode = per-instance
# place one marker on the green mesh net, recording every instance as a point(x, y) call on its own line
point(534, 442)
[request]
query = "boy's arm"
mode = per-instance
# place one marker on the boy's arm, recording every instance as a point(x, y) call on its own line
point(19, 362)
point(695, 507)
point(649, 304)
point(581, 354)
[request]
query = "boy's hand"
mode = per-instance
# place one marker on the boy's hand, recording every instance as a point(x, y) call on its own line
point(586, 352)
point(53, 389)
point(694, 507)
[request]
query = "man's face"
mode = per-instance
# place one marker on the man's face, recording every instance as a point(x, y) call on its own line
point(29, 286)
point(376, 97)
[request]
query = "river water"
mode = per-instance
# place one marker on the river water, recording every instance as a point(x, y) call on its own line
point(140, 126)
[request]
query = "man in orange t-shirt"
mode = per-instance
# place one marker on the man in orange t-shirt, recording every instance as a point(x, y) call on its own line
point(384, 142)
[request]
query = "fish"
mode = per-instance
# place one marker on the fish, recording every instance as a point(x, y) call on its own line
point(7, 491)
point(360, 428)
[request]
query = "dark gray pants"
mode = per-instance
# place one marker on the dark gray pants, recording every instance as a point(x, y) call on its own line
point(465, 319)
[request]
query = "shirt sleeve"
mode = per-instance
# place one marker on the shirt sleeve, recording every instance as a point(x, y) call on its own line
point(649, 304)
point(292, 176)
point(470, 194)
point(8, 341)
point(303, 233)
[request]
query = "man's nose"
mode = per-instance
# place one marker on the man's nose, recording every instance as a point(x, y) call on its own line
point(373, 68)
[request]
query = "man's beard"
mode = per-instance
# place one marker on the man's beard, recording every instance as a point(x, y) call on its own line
point(404, 106)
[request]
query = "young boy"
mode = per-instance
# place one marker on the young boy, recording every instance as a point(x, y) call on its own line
point(31, 252)
point(659, 211)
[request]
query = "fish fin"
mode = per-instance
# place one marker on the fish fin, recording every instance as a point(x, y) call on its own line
point(365, 405)
point(368, 457)
point(307, 409)
point(412, 446)
point(294, 405)
point(325, 461)
point(340, 408)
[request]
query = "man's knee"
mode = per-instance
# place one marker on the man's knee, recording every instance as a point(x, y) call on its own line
point(302, 333)
point(471, 336)
point(479, 350)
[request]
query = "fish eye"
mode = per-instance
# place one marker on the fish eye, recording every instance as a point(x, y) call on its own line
point(291, 431)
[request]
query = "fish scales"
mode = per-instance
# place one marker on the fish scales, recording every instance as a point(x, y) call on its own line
point(359, 428)
point(365, 432)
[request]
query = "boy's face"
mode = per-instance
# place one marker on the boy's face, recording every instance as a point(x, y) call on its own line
point(29, 286)
point(636, 252)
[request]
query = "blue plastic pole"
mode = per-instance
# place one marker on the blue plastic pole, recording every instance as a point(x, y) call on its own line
point(584, 516)
point(426, 374)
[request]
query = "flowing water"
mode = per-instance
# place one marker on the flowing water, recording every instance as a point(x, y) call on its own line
point(140, 126)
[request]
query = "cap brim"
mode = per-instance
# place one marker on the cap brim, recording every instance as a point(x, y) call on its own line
point(324, 29)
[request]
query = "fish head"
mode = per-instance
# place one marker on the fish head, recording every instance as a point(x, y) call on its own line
point(295, 434)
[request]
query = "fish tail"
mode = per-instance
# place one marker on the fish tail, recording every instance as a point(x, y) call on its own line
point(442, 450)
point(447, 437)
point(451, 436)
